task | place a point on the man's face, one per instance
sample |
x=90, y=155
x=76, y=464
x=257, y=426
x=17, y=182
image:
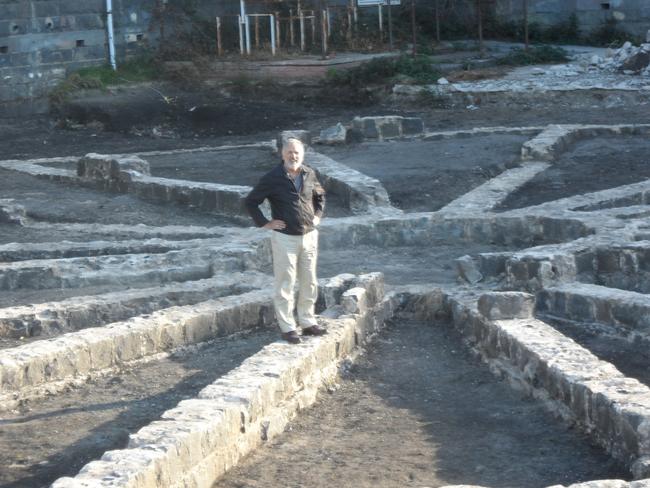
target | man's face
x=293, y=154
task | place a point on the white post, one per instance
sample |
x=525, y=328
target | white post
x=241, y=35
x=329, y=23
x=244, y=19
x=381, y=22
x=247, y=25
x=272, y=18
x=302, y=30
x=111, y=36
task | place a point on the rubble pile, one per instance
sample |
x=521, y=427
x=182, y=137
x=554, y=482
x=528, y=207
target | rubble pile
x=629, y=59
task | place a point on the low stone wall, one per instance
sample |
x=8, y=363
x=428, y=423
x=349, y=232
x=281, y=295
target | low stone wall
x=130, y=269
x=617, y=310
x=357, y=191
x=626, y=267
x=10, y=213
x=130, y=174
x=387, y=127
x=50, y=364
x=200, y=439
x=72, y=249
x=556, y=139
x=53, y=318
x=419, y=229
x=614, y=409
x=587, y=484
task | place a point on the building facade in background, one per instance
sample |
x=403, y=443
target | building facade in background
x=631, y=15
x=42, y=41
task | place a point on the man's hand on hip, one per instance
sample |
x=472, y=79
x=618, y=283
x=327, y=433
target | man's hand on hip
x=275, y=225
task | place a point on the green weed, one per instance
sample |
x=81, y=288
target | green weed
x=534, y=55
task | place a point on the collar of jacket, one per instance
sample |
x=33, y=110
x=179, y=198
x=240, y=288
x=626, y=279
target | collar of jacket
x=303, y=169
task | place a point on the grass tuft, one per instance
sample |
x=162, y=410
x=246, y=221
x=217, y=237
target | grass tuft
x=534, y=55
x=382, y=70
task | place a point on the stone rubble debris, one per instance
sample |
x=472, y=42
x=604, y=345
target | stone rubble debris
x=629, y=59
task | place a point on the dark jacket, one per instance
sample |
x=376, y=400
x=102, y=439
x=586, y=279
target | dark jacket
x=297, y=210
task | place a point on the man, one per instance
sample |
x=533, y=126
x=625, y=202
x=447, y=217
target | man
x=297, y=201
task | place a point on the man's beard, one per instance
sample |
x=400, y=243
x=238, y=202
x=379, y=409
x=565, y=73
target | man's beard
x=293, y=166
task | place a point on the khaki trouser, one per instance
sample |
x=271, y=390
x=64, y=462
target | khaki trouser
x=294, y=258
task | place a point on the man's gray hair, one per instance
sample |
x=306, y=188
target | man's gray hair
x=295, y=140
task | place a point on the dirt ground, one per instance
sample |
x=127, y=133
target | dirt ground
x=609, y=162
x=423, y=176
x=630, y=356
x=401, y=265
x=44, y=440
x=239, y=122
x=49, y=201
x=418, y=410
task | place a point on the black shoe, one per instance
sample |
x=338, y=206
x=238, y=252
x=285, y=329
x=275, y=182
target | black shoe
x=314, y=330
x=291, y=337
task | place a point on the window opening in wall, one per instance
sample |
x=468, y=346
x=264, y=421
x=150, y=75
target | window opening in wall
x=139, y=37
x=604, y=6
x=4, y=49
x=49, y=24
x=81, y=43
x=15, y=27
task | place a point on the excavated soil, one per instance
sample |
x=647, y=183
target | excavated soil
x=631, y=356
x=50, y=201
x=418, y=410
x=404, y=264
x=607, y=161
x=423, y=176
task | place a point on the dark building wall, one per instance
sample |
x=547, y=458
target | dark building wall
x=41, y=41
x=632, y=15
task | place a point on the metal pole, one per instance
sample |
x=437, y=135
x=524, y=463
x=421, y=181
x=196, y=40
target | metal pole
x=278, y=32
x=219, y=45
x=348, y=34
x=438, y=20
x=479, y=17
x=390, y=26
x=241, y=34
x=272, y=34
x=245, y=20
x=329, y=23
x=302, y=30
x=247, y=25
x=381, y=23
x=413, y=28
x=324, y=32
x=257, y=32
x=291, y=29
x=526, y=36
x=110, y=34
